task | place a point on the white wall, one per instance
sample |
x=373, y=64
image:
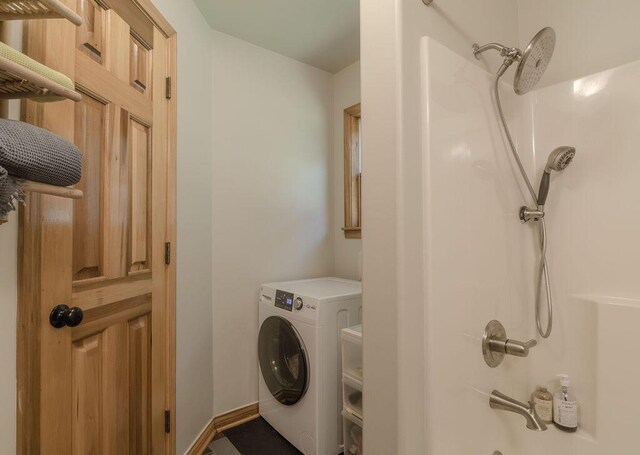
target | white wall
x=194, y=362
x=591, y=35
x=347, y=252
x=593, y=258
x=271, y=199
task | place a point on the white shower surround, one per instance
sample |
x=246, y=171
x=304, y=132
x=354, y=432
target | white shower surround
x=479, y=260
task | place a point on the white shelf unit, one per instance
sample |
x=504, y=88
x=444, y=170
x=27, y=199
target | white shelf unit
x=352, y=380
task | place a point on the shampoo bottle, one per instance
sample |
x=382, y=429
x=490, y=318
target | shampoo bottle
x=565, y=406
x=543, y=404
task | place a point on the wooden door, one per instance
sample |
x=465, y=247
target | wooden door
x=105, y=386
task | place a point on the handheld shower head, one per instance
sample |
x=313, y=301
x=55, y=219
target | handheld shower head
x=532, y=63
x=558, y=160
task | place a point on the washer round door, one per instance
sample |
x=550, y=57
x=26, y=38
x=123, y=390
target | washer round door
x=283, y=360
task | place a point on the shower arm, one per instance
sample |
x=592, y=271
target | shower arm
x=513, y=54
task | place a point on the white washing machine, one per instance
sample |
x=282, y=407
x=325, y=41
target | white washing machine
x=299, y=353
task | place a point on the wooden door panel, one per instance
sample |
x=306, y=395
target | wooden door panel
x=140, y=385
x=140, y=231
x=139, y=65
x=119, y=197
x=91, y=138
x=126, y=248
x=117, y=61
x=116, y=390
x=87, y=395
x=90, y=36
x=111, y=389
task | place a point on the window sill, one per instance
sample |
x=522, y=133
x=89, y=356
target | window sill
x=352, y=232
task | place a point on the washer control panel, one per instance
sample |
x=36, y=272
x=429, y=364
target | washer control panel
x=284, y=300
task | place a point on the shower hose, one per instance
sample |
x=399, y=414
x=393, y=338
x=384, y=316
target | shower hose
x=543, y=268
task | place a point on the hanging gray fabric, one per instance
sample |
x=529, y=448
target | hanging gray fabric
x=9, y=192
x=32, y=153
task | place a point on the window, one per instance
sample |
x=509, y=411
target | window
x=352, y=173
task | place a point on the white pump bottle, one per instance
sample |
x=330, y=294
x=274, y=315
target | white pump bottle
x=565, y=406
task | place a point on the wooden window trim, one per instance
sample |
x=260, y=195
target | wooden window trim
x=352, y=176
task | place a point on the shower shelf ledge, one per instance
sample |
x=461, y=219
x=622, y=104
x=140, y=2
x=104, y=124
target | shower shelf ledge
x=37, y=9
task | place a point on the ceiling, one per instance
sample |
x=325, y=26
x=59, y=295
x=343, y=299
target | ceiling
x=321, y=33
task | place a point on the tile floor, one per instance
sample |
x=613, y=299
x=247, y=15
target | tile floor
x=252, y=438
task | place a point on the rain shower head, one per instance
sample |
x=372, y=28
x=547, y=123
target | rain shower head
x=559, y=159
x=532, y=63
x=535, y=59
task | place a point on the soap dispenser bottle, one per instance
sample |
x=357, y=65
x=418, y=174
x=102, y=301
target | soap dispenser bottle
x=565, y=406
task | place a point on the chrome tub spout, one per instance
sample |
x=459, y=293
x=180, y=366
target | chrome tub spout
x=502, y=402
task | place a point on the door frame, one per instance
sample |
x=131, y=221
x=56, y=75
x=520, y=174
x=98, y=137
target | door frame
x=41, y=231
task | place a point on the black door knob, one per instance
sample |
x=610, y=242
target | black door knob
x=62, y=315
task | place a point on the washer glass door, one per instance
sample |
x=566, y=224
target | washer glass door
x=283, y=360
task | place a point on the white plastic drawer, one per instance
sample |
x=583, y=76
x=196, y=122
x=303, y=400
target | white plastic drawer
x=352, y=395
x=352, y=434
x=352, y=352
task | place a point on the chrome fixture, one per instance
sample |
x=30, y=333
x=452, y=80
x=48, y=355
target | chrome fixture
x=532, y=64
x=558, y=160
x=502, y=402
x=495, y=345
x=527, y=214
x=427, y=2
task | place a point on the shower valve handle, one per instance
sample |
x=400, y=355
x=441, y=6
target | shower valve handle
x=511, y=347
x=495, y=345
x=518, y=348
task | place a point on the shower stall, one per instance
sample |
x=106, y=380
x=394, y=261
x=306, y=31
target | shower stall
x=468, y=225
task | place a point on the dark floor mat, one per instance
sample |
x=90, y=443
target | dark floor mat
x=259, y=438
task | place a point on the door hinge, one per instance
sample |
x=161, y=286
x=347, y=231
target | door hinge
x=167, y=421
x=169, y=84
x=167, y=253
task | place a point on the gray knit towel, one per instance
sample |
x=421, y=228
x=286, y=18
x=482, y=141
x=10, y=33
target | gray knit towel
x=9, y=192
x=32, y=153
